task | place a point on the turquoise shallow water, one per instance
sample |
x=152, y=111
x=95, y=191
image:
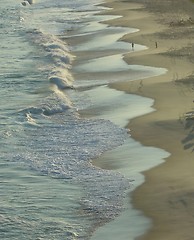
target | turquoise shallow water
x=49, y=189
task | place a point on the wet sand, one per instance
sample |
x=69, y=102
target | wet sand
x=167, y=194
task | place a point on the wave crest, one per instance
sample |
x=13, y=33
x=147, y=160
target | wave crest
x=57, y=57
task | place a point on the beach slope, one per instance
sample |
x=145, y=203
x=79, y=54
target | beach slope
x=167, y=29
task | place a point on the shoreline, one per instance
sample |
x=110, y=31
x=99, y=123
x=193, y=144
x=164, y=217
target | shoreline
x=112, y=106
x=166, y=196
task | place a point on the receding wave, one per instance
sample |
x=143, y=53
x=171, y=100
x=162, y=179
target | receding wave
x=63, y=149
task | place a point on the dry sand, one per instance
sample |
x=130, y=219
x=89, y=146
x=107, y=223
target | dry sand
x=167, y=196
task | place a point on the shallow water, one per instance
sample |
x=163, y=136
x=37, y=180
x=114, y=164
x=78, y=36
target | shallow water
x=130, y=159
x=49, y=189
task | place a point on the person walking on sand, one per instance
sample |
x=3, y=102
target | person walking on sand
x=156, y=44
x=132, y=45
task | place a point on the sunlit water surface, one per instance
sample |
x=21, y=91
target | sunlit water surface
x=49, y=188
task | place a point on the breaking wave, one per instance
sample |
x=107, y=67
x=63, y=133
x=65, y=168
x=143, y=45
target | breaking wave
x=57, y=57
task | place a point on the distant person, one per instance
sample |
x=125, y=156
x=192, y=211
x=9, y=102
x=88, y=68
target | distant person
x=132, y=45
x=156, y=44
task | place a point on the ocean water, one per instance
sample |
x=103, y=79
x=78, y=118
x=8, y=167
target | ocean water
x=49, y=188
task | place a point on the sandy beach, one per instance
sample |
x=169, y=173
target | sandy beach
x=167, y=29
